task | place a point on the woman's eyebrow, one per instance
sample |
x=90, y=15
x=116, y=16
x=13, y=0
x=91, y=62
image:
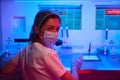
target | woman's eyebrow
x=52, y=26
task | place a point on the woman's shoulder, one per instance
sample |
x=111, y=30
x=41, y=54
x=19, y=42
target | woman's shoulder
x=40, y=49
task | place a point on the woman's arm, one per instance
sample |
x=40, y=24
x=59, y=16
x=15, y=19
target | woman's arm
x=9, y=68
x=67, y=76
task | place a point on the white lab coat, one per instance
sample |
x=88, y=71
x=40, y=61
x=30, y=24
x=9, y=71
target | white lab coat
x=38, y=62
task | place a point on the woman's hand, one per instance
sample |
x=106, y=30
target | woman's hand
x=77, y=62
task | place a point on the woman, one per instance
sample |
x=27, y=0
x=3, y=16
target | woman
x=38, y=61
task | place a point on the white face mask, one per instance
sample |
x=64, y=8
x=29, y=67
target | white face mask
x=49, y=38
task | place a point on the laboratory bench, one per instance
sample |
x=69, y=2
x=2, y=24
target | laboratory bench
x=94, y=67
x=107, y=68
x=93, y=61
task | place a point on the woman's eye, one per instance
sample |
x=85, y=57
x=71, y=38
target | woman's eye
x=50, y=29
x=54, y=29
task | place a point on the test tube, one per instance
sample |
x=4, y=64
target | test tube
x=106, y=36
x=113, y=50
x=105, y=47
x=62, y=33
x=67, y=34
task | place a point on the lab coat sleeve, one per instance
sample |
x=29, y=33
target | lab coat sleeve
x=54, y=64
x=15, y=59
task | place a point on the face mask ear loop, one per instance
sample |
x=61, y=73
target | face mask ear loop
x=36, y=29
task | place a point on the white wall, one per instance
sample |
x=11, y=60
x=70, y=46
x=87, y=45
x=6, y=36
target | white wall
x=77, y=37
x=10, y=9
x=0, y=29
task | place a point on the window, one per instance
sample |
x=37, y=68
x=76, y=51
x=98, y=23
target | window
x=69, y=14
x=107, y=16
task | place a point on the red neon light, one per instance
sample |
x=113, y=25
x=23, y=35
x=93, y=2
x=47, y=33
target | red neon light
x=84, y=71
x=113, y=12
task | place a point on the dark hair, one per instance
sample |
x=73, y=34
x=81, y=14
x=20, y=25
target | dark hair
x=40, y=19
x=51, y=16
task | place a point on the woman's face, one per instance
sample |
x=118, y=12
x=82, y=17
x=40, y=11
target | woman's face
x=52, y=25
